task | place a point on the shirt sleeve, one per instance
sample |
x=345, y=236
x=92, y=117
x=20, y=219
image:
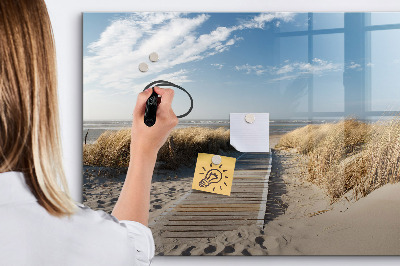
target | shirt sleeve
x=142, y=240
x=139, y=235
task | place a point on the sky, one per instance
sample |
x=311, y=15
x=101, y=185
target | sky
x=231, y=62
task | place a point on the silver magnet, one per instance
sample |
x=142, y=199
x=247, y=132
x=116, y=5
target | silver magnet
x=216, y=159
x=250, y=118
x=143, y=67
x=153, y=57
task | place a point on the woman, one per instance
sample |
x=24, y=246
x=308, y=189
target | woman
x=39, y=222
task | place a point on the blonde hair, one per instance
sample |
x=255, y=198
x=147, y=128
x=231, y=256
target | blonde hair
x=29, y=125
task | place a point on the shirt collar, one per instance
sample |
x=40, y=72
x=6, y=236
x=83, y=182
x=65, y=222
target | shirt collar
x=13, y=188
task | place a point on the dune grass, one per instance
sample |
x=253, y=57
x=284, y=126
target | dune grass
x=111, y=149
x=348, y=155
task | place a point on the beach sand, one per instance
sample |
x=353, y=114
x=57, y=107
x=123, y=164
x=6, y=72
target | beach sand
x=299, y=219
x=102, y=186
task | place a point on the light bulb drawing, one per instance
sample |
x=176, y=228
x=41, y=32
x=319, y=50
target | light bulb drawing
x=213, y=176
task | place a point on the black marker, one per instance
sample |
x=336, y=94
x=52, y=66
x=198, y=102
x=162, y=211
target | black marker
x=153, y=101
x=151, y=109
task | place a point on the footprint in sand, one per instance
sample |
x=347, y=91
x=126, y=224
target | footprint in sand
x=227, y=250
x=260, y=240
x=186, y=252
x=245, y=252
x=210, y=249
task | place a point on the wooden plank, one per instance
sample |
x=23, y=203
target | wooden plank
x=222, y=201
x=248, y=181
x=194, y=205
x=209, y=222
x=261, y=177
x=191, y=235
x=248, y=196
x=250, y=168
x=210, y=218
x=241, y=189
x=249, y=185
x=237, y=194
x=233, y=199
x=254, y=189
x=255, y=169
x=254, y=214
x=252, y=172
x=195, y=228
x=219, y=209
x=219, y=196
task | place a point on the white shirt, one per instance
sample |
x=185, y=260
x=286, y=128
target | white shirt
x=29, y=235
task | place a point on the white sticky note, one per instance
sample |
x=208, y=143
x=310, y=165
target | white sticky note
x=249, y=135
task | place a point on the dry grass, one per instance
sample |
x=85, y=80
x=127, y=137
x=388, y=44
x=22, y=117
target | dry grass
x=349, y=155
x=111, y=149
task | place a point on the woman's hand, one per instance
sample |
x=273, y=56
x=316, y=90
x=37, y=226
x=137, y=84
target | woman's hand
x=150, y=139
x=134, y=201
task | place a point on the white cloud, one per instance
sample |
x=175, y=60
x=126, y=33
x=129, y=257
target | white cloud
x=249, y=69
x=288, y=77
x=260, y=20
x=219, y=66
x=285, y=69
x=354, y=66
x=292, y=70
x=318, y=66
x=112, y=61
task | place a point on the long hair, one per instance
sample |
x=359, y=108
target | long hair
x=29, y=122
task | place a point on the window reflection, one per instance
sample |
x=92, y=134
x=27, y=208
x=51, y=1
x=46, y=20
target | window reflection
x=381, y=18
x=351, y=63
x=291, y=74
x=328, y=74
x=299, y=24
x=385, y=69
x=328, y=20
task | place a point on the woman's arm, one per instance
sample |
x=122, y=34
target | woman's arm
x=134, y=201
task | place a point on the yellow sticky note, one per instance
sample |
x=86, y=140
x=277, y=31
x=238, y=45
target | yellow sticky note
x=214, y=178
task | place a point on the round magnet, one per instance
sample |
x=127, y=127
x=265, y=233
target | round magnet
x=143, y=67
x=153, y=57
x=216, y=159
x=250, y=118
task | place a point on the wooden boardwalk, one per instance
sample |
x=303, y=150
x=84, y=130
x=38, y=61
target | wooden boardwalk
x=205, y=215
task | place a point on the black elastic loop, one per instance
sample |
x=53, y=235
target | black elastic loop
x=170, y=84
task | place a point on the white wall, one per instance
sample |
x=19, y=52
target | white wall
x=66, y=17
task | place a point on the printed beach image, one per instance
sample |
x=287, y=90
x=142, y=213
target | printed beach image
x=329, y=184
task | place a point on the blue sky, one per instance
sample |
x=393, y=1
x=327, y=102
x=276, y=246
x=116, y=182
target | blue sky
x=229, y=62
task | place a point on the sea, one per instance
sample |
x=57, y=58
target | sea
x=93, y=129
